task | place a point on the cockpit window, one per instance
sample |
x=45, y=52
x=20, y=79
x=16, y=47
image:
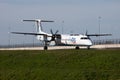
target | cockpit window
x=84, y=38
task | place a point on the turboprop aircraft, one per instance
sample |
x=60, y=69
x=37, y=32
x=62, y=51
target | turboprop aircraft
x=60, y=39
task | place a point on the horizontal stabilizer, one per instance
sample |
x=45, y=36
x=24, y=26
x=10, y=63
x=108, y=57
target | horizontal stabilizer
x=39, y=20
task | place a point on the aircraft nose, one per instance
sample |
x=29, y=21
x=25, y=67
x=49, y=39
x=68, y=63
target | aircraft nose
x=89, y=43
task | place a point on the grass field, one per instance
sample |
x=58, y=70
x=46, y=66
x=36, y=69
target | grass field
x=60, y=65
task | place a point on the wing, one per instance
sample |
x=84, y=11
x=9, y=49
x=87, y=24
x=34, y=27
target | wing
x=99, y=34
x=30, y=33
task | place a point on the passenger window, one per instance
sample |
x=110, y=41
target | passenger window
x=84, y=38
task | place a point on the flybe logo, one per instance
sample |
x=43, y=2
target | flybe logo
x=73, y=40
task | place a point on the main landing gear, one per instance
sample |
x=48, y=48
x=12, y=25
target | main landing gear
x=45, y=47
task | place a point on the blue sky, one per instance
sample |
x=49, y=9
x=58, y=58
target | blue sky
x=78, y=16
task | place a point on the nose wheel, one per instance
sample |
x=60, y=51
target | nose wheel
x=88, y=47
x=77, y=47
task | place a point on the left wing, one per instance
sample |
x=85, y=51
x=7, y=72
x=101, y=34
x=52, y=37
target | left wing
x=99, y=34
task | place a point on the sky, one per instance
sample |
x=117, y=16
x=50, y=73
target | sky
x=70, y=16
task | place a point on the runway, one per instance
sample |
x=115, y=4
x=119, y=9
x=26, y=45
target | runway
x=106, y=46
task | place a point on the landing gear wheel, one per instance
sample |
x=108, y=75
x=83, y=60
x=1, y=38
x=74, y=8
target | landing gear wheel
x=88, y=47
x=77, y=47
x=45, y=48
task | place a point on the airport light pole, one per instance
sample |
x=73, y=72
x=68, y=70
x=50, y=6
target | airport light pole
x=9, y=36
x=62, y=26
x=33, y=36
x=99, y=24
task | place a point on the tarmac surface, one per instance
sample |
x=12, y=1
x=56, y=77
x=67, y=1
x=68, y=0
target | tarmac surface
x=106, y=46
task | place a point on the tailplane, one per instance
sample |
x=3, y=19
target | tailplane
x=39, y=25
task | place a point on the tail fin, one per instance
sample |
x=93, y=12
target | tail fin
x=38, y=22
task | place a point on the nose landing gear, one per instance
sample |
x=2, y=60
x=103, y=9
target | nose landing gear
x=77, y=47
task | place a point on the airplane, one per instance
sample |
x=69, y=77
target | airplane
x=60, y=39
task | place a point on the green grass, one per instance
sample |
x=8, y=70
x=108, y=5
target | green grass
x=60, y=65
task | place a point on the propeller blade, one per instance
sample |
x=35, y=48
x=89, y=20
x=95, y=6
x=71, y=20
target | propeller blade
x=56, y=32
x=86, y=32
x=51, y=31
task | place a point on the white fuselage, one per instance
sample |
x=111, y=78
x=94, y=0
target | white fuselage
x=70, y=39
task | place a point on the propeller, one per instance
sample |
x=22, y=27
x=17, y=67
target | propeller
x=54, y=35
